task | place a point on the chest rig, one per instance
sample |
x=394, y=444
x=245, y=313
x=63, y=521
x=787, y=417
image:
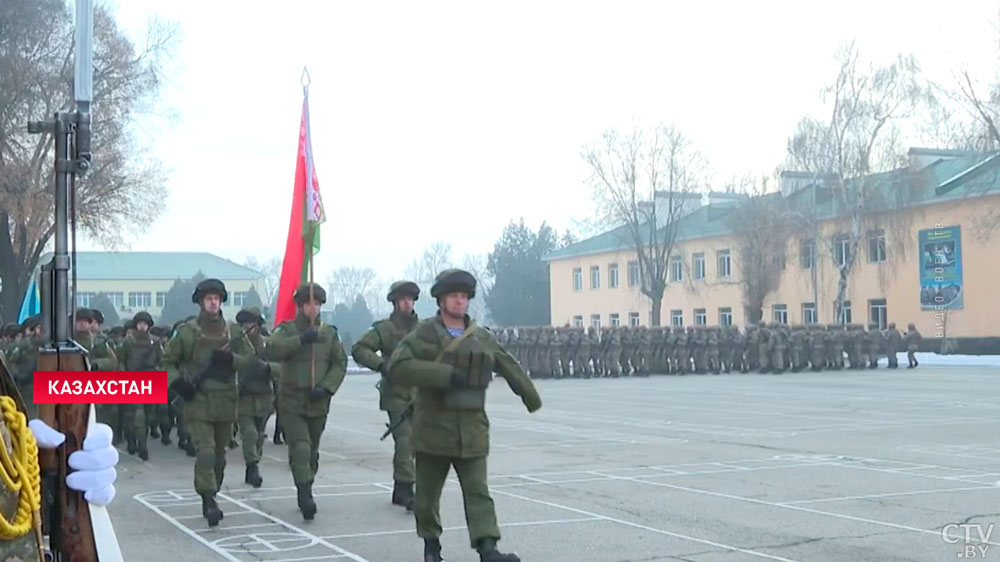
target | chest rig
x=455, y=352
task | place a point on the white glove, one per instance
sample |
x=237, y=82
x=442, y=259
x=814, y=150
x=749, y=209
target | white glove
x=93, y=467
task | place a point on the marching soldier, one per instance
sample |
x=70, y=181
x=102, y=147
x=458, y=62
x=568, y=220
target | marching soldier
x=201, y=360
x=451, y=361
x=764, y=348
x=817, y=347
x=543, y=337
x=894, y=344
x=88, y=334
x=712, y=349
x=752, y=348
x=313, y=365
x=737, y=343
x=256, y=390
x=24, y=360
x=572, y=353
x=682, y=353
x=557, y=348
x=594, y=343
x=854, y=343
x=913, y=341
x=373, y=350
x=139, y=352
x=837, y=338
x=779, y=346
x=874, y=345
x=797, y=345
x=615, y=351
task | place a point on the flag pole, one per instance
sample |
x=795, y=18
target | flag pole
x=305, y=79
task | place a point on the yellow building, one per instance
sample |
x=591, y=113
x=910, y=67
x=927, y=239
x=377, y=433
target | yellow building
x=931, y=260
x=137, y=281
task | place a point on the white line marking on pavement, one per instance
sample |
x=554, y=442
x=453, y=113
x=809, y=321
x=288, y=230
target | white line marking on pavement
x=200, y=516
x=235, y=527
x=889, y=495
x=185, y=530
x=326, y=557
x=792, y=507
x=644, y=527
x=288, y=525
x=461, y=527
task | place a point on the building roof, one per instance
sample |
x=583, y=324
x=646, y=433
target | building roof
x=957, y=175
x=156, y=265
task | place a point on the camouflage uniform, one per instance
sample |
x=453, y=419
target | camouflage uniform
x=712, y=349
x=875, y=345
x=913, y=341
x=893, y=345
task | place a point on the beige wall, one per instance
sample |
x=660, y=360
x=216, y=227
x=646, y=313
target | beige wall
x=152, y=286
x=896, y=281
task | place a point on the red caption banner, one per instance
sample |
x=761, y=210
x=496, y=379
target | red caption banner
x=100, y=387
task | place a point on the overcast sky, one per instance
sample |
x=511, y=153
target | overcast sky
x=421, y=108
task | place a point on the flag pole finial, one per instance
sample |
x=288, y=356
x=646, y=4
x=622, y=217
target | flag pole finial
x=305, y=79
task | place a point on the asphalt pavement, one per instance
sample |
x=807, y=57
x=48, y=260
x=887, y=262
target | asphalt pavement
x=835, y=466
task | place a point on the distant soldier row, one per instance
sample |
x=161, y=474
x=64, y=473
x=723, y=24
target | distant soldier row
x=548, y=352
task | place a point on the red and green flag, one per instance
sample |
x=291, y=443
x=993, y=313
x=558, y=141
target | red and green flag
x=303, y=228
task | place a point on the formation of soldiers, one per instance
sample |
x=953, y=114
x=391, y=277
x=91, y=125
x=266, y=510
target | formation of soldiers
x=575, y=352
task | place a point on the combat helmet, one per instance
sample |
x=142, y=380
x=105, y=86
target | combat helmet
x=209, y=287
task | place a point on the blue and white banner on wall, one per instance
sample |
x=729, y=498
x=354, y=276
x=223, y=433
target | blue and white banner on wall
x=941, y=285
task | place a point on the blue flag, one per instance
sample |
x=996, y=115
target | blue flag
x=32, y=303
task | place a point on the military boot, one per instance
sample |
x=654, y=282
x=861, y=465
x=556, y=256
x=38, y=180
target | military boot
x=165, y=435
x=154, y=432
x=210, y=509
x=402, y=493
x=133, y=446
x=143, y=450
x=488, y=552
x=306, y=503
x=432, y=550
x=253, y=476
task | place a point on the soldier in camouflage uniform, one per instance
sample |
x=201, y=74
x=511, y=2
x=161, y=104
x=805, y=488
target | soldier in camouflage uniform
x=797, y=347
x=913, y=339
x=875, y=344
x=256, y=389
x=313, y=366
x=24, y=360
x=201, y=360
x=712, y=359
x=556, y=349
x=615, y=351
x=571, y=350
x=817, y=347
x=682, y=355
x=139, y=352
x=893, y=345
x=450, y=362
x=752, y=348
x=737, y=343
x=854, y=352
x=837, y=339
x=102, y=358
x=542, y=351
x=764, y=348
x=373, y=351
x=594, y=341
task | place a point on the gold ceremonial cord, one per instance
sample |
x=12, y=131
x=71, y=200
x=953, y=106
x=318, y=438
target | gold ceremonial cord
x=20, y=473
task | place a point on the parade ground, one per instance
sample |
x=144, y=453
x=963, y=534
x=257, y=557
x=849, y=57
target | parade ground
x=834, y=466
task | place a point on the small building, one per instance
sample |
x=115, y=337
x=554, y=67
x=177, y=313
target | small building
x=137, y=281
x=927, y=256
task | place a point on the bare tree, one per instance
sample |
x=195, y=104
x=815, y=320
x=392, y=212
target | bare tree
x=270, y=270
x=125, y=188
x=476, y=264
x=347, y=282
x=761, y=226
x=435, y=258
x=642, y=182
x=861, y=140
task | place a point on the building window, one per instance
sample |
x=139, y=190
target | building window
x=878, y=313
x=83, y=299
x=633, y=274
x=807, y=254
x=578, y=321
x=841, y=250
x=676, y=317
x=700, y=318
x=808, y=313
x=161, y=299
x=676, y=269
x=595, y=277
x=725, y=317
x=779, y=313
x=595, y=321
x=239, y=297
x=725, y=264
x=615, y=320
x=876, y=246
x=577, y=279
x=698, y=265
x=140, y=300
x=117, y=299
x=844, y=314
x=633, y=319
x=613, y=276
